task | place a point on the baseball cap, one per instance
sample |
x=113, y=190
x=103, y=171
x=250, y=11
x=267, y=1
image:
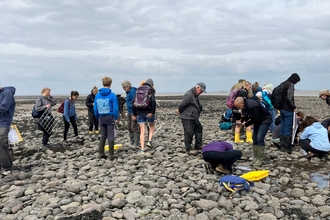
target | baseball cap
x=202, y=85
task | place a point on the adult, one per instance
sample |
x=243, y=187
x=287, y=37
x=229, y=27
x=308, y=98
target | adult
x=324, y=94
x=287, y=111
x=93, y=122
x=146, y=115
x=245, y=92
x=255, y=89
x=132, y=126
x=70, y=115
x=326, y=124
x=45, y=103
x=256, y=115
x=106, y=110
x=220, y=156
x=314, y=138
x=189, y=111
x=7, y=109
x=121, y=102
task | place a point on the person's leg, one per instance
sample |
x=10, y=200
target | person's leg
x=110, y=123
x=273, y=115
x=188, y=133
x=91, y=122
x=142, y=134
x=103, y=129
x=96, y=123
x=45, y=137
x=248, y=131
x=130, y=129
x=229, y=158
x=5, y=159
x=74, y=125
x=152, y=125
x=198, y=131
x=66, y=128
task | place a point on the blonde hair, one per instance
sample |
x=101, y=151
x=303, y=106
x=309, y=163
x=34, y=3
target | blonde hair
x=95, y=89
x=106, y=81
x=44, y=90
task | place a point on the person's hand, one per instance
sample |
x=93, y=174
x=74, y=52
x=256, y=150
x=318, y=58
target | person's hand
x=177, y=111
x=133, y=118
x=48, y=105
x=149, y=115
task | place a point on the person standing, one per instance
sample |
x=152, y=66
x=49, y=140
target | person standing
x=189, y=111
x=43, y=103
x=7, y=109
x=121, y=102
x=256, y=115
x=287, y=111
x=145, y=113
x=132, y=126
x=70, y=115
x=93, y=122
x=106, y=110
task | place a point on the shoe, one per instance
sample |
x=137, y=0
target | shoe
x=309, y=155
x=96, y=132
x=6, y=173
x=90, y=132
x=192, y=152
x=78, y=138
x=199, y=147
x=220, y=169
x=208, y=168
x=149, y=144
x=142, y=152
x=47, y=146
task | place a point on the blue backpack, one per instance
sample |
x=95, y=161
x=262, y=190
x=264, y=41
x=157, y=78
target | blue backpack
x=235, y=183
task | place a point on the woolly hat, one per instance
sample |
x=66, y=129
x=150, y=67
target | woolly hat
x=150, y=82
x=268, y=88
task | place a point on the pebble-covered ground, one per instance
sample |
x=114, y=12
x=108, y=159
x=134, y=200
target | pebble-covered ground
x=70, y=182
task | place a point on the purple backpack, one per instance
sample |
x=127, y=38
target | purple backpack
x=142, y=97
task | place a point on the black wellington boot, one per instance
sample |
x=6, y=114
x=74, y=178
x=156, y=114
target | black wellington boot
x=111, y=150
x=101, y=149
x=287, y=146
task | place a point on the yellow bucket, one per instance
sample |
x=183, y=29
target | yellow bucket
x=255, y=175
x=117, y=146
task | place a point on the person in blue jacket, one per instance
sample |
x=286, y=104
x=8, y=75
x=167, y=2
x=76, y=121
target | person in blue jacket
x=132, y=125
x=314, y=138
x=7, y=109
x=107, y=112
x=69, y=115
x=220, y=156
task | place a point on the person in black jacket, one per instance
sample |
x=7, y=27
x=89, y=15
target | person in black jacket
x=255, y=114
x=189, y=110
x=93, y=122
x=287, y=111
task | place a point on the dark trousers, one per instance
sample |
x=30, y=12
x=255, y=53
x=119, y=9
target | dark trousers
x=107, y=125
x=259, y=133
x=45, y=137
x=305, y=144
x=191, y=128
x=226, y=159
x=93, y=121
x=132, y=125
x=5, y=159
x=67, y=126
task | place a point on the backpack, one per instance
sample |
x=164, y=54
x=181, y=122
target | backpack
x=235, y=183
x=35, y=113
x=142, y=97
x=61, y=107
x=277, y=97
x=232, y=96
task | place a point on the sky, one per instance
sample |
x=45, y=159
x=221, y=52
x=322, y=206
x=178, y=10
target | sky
x=72, y=44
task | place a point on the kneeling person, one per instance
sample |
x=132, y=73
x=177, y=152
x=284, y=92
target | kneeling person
x=220, y=155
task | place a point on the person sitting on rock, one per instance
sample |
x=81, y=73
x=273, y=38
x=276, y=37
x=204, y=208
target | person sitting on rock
x=220, y=156
x=314, y=138
x=324, y=94
x=256, y=115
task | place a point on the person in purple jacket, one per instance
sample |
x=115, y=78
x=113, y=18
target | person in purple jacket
x=220, y=156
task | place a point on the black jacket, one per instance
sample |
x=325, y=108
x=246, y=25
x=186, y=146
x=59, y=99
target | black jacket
x=255, y=113
x=151, y=109
x=90, y=102
x=289, y=104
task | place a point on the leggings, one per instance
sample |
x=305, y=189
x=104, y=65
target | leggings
x=67, y=125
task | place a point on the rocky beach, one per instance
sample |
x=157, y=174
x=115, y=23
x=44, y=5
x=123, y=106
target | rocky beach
x=70, y=182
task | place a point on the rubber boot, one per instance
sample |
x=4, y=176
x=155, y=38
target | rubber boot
x=101, y=149
x=281, y=142
x=249, y=137
x=238, y=139
x=136, y=138
x=260, y=156
x=255, y=154
x=111, y=150
x=287, y=147
x=131, y=137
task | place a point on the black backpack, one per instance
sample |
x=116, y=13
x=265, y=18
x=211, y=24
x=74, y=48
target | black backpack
x=277, y=97
x=142, y=97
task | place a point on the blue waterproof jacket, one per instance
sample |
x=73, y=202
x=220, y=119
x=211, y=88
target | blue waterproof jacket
x=69, y=109
x=7, y=106
x=106, y=104
x=129, y=100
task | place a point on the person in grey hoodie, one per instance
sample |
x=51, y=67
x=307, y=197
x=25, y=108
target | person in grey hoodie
x=7, y=109
x=189, y=110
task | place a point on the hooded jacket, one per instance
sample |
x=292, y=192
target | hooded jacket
x=255, y=113
x=318, y=136
x=129, y=100
x=190, y=108
x=90, y=101
x=289, y=104
x=42, y=101
x=7, y=106
x=106, y=104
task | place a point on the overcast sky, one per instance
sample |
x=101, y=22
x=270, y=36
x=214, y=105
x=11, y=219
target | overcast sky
x=70, y=45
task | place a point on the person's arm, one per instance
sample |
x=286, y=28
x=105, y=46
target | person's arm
x=253, y=116
x=153, y=103
x=52, y=101
x=66, y=110
x=290, y=96
x=6, y=102
x=184, y=103
x=115, y=108
x=89, y=102
x=305, y=133
x=95, y=110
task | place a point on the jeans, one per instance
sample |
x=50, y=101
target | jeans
x=286, y=123
x=5, y=159
x=273, y=114
x=259, y=133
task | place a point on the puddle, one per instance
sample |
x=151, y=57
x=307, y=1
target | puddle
x=321, y=179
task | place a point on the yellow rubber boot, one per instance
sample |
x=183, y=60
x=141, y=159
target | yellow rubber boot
x=249, y=137
x=237, y=138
